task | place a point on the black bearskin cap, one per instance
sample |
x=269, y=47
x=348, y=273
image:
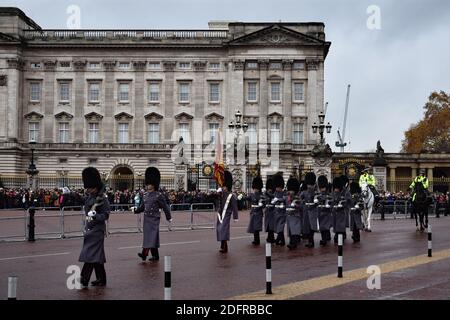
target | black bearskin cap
x=355, y=188
x=91, y=178
x=257, y=183
x=269, y=184
x=153, y=177
x=293, y=185
x=278, y=181
x=228, y=180
x=322, y=182
x=344, y=180
x=310, y=179
x=337, y=183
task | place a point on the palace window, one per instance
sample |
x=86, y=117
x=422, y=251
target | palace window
x=183, y=92
x=124, y=92
x=184, y=132
x=184, y=65
x=214, y=65
x=94, y=65
x=35, y=65
x=64, y=92
x=298, y=65
x=275, y=91
x=298, y=91
x=93, y=133
x=153, y=92
x=252, y=65
x=124, y=65
x=94, y=92
x=252, y=91
x=275, y=65
x=123, y=133
x=274, y=133
x=213, y=127
x=153, y=133
x=252, y=134
x=214, y=92
x=63, y=132
x=154, y=65
x=33, y=131
x=35, y=91
x=298, y=133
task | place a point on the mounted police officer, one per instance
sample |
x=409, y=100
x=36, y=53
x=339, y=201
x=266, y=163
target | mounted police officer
x=357, y=205
x=256, y=212
x=422, y=179
x=310, y=211
x=227, y=208
x=341, y=205
x=97, y=210
x=269, y=216
x=153, y=202
x=279, y=201
x=325, y=204
x=368, y=178
x=293, y=210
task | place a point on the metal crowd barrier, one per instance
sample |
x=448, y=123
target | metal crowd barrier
x=113, y=225
x=19, y=223
x=401, y=209
x=205, y=216
x=73, y=228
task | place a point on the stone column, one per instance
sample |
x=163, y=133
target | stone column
x=237, y=89
x=80, y=97
x=169, y=103
x=10, y=115
x=181, y=177
x=263, y=98
x=49, y=101
x=380, y=177
x=287, y=101
x=311, y=101
x=430, y=178
x=139, y=67
x=392, y=179
x=109, y=106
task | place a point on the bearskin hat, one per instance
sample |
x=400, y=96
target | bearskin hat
x=278, y=181
x=293, y=185
x=355, y=188
x=269, y=184
x=337, y=183
x=153, y=177
x=91, y=178
x=344, y=180
x=322, y=182
x=257, y=183
x=228, y=180
x=310, y=178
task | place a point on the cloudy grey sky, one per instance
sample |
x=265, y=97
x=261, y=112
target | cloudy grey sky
x=392, y=70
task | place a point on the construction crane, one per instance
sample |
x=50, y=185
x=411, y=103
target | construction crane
x=341, y=142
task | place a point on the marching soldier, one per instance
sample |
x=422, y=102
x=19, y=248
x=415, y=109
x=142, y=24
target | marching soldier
x=293, y=210
x=341, y=204
x=97, y=212
x=269, y=219
x=325, y=204
x=279, y=201
x=256, y=213
x=153, y=202
x=310, y=210
x=346, y=186
x=227, y=208
x=357, y=205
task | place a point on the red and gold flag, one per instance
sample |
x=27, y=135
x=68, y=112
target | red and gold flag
x=219, y=166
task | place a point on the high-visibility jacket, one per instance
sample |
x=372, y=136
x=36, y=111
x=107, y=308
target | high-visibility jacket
x=419, y=179
x=369, y=179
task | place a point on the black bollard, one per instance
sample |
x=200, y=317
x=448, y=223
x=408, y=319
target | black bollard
x=429, y=241
x=12, y=288
x=167, y=278
x=31, y=225
x=268, y=268
x=340, y=254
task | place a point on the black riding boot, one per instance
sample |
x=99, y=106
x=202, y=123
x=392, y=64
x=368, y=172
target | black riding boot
x=256, y=240
x=223, y=246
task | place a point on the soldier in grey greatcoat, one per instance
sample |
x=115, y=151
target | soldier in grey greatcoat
x=325, y=205
x=346, y=187
x=356, y=223
x=279, y=201
x=342, y=201
x=269, y=218
x=294, y=213
x=309, y=202
x=97, y=212
x=256, y=212
x=153, y=202
x=227, y=207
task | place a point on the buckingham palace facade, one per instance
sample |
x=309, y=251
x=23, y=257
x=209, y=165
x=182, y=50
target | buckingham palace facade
x=120, y=100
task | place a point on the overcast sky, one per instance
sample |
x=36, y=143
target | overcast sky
x=392, y=70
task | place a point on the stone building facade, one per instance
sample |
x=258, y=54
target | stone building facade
x=120, y=99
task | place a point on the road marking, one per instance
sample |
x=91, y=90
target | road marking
x=36, y=256
x=295, y=289
x=409, y=291
x=162, y=244
x=243, y=237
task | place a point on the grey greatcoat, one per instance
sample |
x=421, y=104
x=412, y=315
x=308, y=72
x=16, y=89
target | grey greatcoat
x=93, y=250
x=310, y=211
x=294, y=216
x=256, y=213
x=269, y=216
x=342, y=202
x=347, y=210
x=280, y=210
x=153, y=202
x=325, y=207
x=355, y=212
x=223, y=228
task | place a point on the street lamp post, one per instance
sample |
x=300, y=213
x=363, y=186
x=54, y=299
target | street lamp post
x=32, y=171
x=238, y=128
x=321, y=127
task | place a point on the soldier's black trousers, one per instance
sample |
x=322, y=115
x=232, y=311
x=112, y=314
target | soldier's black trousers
x=153, y=251
x=86, y=273
x=326, y=235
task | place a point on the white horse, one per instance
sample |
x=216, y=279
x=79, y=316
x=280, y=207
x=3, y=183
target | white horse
x=369, y=200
